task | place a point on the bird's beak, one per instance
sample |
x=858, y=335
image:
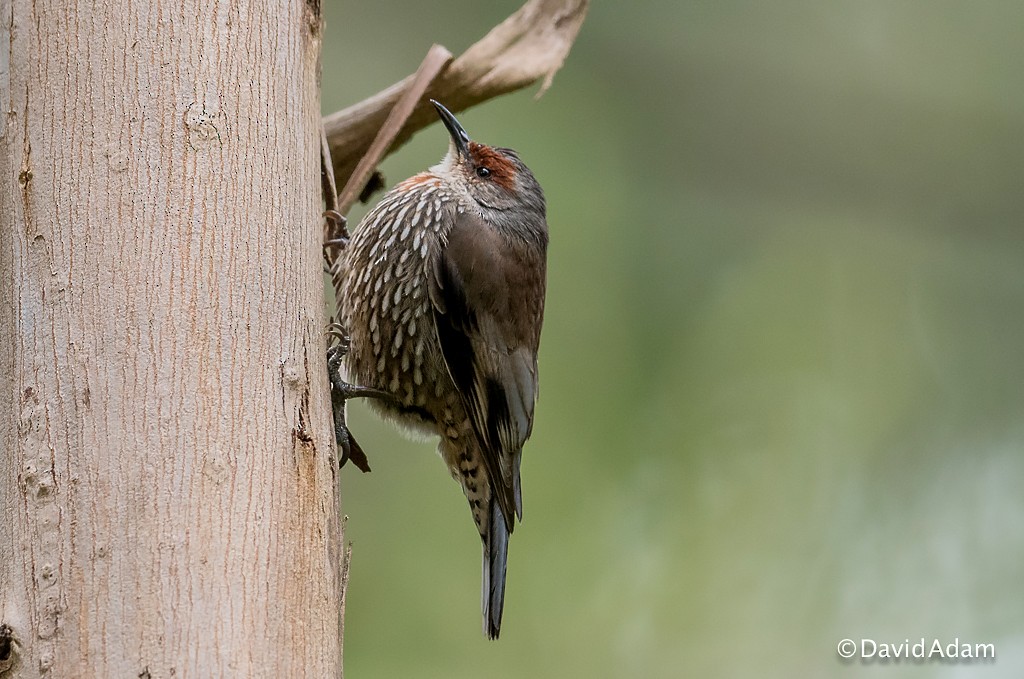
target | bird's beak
x=459, y=136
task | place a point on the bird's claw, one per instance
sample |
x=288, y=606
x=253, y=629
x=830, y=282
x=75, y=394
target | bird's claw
x=338, y=346
x=336, y=237
x=335, y=217
x=342, y=391
x=337, y=230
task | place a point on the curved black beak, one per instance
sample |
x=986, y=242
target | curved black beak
x=459, y=136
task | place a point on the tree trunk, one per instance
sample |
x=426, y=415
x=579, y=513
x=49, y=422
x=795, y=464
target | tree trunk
x=168, y=502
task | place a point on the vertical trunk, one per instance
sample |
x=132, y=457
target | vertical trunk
x=168, y=502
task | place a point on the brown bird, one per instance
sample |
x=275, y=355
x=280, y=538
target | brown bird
x=441, y=291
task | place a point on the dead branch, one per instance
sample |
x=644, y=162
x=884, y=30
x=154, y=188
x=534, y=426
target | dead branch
x=335, y=223
x=529, y=45
x=437, y=58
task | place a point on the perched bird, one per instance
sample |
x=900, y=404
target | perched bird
x=441, y=292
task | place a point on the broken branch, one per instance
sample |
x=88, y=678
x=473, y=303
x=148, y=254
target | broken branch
x=529, y=45
x=437, y=58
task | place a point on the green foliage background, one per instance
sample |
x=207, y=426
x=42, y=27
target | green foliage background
x=783, y=361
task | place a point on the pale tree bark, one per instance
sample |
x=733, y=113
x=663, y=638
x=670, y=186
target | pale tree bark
x=168, y=495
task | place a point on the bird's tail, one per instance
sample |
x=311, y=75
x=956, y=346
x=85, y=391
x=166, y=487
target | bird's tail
x=495, y=558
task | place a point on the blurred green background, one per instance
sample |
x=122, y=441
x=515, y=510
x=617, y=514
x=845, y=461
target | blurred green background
x=782, y=370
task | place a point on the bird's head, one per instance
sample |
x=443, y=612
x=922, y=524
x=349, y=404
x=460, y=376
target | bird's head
x=495, y=178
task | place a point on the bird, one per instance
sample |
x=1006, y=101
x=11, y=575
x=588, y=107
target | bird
x=441, y=294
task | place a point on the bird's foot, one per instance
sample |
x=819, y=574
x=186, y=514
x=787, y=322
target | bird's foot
x=335, y=238
x=341, y=392
x=336, y=234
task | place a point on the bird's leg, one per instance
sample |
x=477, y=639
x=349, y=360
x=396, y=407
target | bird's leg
x=341, y=392
x=336, y=236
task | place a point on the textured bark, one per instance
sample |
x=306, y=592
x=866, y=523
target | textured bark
x=168, y=502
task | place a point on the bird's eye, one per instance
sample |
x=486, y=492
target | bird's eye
x=483, y=172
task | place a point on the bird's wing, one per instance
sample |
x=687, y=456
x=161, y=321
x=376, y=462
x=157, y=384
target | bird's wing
x=487, y=292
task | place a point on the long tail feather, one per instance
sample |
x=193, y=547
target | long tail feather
x=495, y=558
